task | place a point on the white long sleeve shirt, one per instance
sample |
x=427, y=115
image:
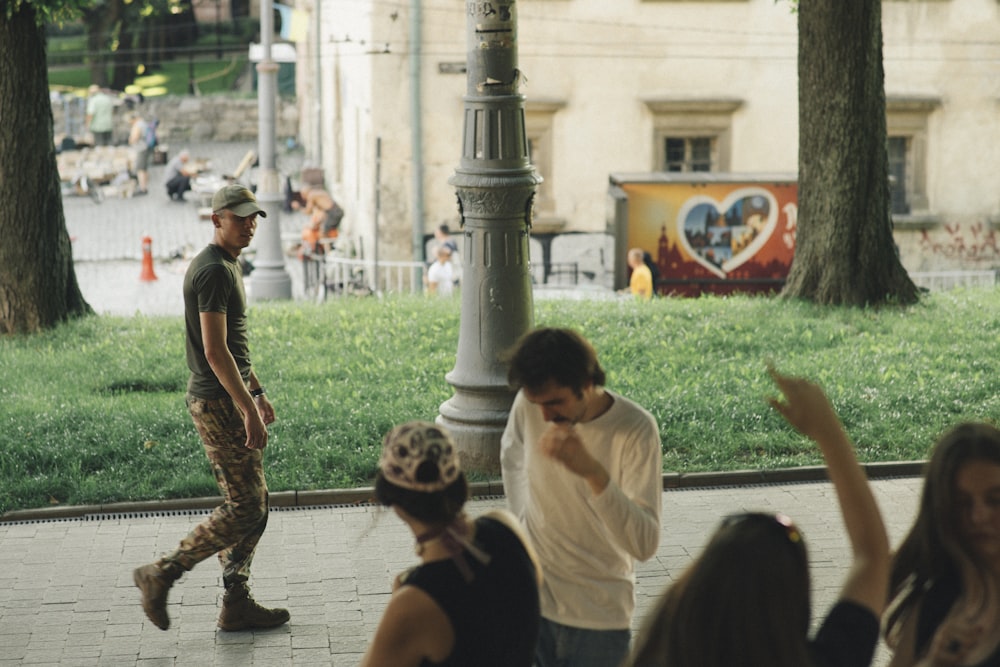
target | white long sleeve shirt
x=587, y=544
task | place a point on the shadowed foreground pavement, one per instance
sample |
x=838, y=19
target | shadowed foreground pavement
x=66, y=593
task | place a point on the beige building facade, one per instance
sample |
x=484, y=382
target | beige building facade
x=642, y=86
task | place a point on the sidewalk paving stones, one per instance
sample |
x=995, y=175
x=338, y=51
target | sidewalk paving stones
x=107, y=240
x=66, y=593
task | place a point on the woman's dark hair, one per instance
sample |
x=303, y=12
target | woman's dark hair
x=932, y=550
x=559, y=355
x=439, y=507
x=743, y=603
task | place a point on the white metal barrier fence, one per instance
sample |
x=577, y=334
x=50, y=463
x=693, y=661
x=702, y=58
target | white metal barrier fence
x=326, y=274
x=341, y=275
x=939, y=281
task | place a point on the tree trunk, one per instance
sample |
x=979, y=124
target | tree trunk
x=38, y=287
x=124, y=59
x=96, y=49
x=844, y=252
x=100, y=24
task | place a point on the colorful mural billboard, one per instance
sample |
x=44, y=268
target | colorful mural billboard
x=714, y=234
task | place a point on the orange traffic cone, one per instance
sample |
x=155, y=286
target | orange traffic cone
x=147, y=260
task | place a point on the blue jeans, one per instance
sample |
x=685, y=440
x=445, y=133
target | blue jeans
x=563, y=646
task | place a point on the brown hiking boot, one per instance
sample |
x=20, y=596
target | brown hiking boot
x=154, y=582
x=241, y=612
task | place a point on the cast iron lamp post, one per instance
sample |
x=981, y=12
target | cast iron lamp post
x=495, y=184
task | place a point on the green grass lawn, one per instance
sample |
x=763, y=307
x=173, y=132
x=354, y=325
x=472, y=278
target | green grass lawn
x=93, y=411
x=214, y=62
x=211, y=75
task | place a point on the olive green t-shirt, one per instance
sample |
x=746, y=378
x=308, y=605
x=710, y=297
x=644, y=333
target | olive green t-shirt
x=213, y=283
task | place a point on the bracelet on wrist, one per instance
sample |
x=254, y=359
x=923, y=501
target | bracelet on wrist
x=259, y=391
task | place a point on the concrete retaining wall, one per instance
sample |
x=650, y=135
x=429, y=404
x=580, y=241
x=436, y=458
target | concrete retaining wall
x=186, y=119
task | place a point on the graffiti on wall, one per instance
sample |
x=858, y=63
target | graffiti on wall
x=975, y=243
x=736, y=232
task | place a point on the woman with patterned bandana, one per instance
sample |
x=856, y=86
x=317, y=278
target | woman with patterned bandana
x=473, y=598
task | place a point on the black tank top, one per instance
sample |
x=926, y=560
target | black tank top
x=496, y=616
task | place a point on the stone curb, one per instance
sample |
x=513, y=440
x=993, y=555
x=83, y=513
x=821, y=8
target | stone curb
x=365, y=495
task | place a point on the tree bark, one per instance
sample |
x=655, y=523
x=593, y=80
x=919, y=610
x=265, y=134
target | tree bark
x=100, y=22
x=124, y=60
x=38, y=287
x=845, y=253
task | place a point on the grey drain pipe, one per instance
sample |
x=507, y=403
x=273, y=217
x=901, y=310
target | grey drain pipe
x=416, y=129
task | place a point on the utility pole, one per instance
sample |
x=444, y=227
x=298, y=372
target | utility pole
x=495, y=184
x=269, y=279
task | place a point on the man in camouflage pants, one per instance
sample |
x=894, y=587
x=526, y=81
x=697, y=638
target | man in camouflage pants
x=231, y=413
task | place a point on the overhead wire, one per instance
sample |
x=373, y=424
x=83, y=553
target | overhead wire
x=686, y=42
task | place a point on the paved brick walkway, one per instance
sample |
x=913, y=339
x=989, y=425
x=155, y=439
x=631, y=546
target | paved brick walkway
x=66, y=593
x=107, y=239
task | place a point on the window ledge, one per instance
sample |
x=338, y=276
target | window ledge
x=925, y=220
x=547, y=224
x=694, y=105
x=548, y=105
x=911, y=104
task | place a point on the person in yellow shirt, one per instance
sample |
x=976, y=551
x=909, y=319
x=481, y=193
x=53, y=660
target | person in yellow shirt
x=641, y=283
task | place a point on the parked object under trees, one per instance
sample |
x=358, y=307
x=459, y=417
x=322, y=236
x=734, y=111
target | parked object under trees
x=845, y=253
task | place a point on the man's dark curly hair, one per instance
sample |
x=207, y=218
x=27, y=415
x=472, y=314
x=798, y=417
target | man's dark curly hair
x=559, y=355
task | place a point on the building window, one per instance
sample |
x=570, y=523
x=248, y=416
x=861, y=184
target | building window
x=692, y=135
x=688, y=153
x=898, y=149
x=539, y=119
x=906, y=129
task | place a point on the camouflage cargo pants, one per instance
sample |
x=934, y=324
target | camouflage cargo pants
x=233, y=529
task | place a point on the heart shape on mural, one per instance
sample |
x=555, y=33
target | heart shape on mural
x=721, y=237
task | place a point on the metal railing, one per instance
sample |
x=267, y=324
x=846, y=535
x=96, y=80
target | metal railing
x=342, y=275
x=561, y=273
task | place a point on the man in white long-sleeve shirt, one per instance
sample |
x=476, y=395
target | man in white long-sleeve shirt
x=582, y=470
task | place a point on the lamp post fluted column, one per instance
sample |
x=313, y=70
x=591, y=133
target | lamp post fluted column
x=270, y=279
x=495, y=184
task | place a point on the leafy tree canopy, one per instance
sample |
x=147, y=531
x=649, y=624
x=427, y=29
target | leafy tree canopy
x=49, y=11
